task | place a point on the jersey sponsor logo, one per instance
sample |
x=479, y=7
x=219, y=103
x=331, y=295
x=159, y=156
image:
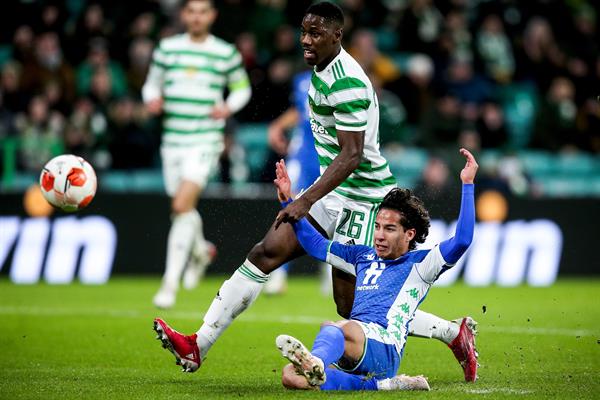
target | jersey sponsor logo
x=316, y=128
x=57, y=250
x=371, y=276
x=507, y=254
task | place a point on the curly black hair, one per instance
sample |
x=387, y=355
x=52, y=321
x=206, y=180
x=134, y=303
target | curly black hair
x=413, y=213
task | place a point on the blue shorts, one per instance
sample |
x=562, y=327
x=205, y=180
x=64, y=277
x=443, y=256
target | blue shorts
x=379, y=359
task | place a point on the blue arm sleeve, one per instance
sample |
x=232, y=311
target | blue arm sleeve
x=310, y=239
x=453, y=248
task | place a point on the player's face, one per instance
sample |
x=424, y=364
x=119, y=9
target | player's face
x=320, y=40
x=391, y=238
x=198, y=16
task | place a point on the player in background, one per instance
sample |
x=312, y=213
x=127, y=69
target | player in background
x=185, y=83
x=341, y=204
x=302, y=164
x=392, y=280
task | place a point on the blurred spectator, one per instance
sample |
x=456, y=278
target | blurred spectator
x=55, y=97
x=441, y=123
x=555, y=123
x=91, y=24
x=420, y=27
x=131, y=144
x=468, y=87
x=589, y=125
x=7, y=121
x=540, y=59
x=491, y=127
x=458, y=31
x=98, y=59
x=286, y=46
x=364, y=49
x=39, y=133
x=22, y=50
x=49, y=65
x=495, y=50
x=434, y=185
x=140, y=55
x=15, y=100
x=415, y=87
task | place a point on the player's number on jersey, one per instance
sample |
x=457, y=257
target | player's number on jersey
x=373, y=273
x=354, y=220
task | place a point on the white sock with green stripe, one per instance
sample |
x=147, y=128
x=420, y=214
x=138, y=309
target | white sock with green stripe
x=431, y=326
x=235, y=295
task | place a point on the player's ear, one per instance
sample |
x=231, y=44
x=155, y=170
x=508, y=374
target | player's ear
x=410, y=234
x=337, y=34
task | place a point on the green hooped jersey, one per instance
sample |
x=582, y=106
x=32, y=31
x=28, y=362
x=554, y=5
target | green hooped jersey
x=191, y=78
x=341, y=97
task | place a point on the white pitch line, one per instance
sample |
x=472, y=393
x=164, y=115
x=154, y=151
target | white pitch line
x=249, y=317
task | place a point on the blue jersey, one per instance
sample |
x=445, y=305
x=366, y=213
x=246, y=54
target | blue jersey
x=388, y=292
x=302, y=160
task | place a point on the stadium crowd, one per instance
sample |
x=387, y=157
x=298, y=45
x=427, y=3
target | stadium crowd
x=448, y=73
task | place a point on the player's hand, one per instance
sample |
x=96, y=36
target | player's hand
x=294, y=211
x=155, y=106
x=282, y=182
x=220, y=111
x=277, y=139
x=467, y=175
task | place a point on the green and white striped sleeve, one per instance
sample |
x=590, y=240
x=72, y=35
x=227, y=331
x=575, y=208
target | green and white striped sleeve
x=152, y=88
x=350, y=100
x=238, y=83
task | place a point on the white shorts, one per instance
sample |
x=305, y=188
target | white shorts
x=345, y=220
x=193, y=162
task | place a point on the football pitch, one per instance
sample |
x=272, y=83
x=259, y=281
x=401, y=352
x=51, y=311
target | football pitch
x=97, y=342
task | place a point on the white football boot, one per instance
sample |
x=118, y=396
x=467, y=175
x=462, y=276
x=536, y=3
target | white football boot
x=305, y=363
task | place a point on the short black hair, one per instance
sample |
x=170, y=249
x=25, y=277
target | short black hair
x=184, y=3
x=413, y=213
x=329, y=11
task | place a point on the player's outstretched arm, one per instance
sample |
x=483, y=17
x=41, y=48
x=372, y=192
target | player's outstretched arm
x=453, y=248
x=351, y=144
x=310, y=239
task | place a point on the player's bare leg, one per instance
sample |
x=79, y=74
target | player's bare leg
x=185, y=230
x=243, y=287
x=343, y=291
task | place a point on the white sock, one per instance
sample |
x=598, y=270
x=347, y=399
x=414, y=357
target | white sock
x=235, y=295
x=199, y=244
x=430, y=326
x=181, y=236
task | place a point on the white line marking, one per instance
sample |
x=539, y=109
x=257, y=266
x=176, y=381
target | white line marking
x=499, y=390
x=249, y=317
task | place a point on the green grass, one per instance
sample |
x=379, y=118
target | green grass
x=96, y=342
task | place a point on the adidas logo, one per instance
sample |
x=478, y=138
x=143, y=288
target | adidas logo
x=350, y=242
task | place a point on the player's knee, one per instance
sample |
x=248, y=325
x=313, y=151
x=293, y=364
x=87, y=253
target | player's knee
x=343, y=309
x=180, y=206
x=263, y=258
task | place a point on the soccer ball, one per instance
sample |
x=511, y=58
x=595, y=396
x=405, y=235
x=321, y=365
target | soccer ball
x=68, y=182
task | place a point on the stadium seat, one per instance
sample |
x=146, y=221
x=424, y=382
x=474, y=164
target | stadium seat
x=406, y=164
x=253, y=138
x=538, y=163
x=519, y=102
